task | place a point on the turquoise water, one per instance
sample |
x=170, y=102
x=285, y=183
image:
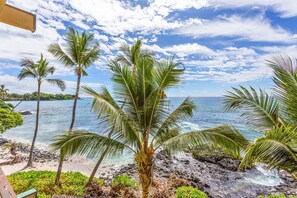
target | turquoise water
x=55, y=117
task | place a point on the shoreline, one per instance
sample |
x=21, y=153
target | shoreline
x=46, y=160
x=218, y=177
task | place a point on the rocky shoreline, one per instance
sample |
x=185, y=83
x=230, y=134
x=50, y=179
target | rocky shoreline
x=217, y=176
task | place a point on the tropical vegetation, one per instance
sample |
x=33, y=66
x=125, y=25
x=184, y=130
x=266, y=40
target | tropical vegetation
x=8, y=118
x=72, y=183
x=34, y=96
x=274, y=114
x=39, y=71
x=189, y=191
x=3, y=92
x=80, y=53
x=138, y=117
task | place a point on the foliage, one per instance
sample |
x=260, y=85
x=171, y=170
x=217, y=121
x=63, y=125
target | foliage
x=274, y=115
x=8, y=118
x=277, y=196
x=72, y=183
x=33, y=96
x=189, y=192
x=138, y=115
x=123, y=180
x=3, y=92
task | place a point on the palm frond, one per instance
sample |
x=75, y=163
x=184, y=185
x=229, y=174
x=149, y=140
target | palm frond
x=259, y=110
x=277, y=149
x=105, y=107
x=57, y=82
x=85, y=144
x=285, y=79
x=225, y=137
x=182, y=112
x=57, y=51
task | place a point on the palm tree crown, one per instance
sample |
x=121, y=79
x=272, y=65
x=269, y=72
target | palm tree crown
x=40, y=71
x=138, y=117
x=275, y=115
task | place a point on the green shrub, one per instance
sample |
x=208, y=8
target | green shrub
x=277, y=196
x=123, y=180
x=72, y=183
x=189, y=192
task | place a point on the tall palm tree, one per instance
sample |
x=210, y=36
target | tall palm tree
x=80, y=53
x=274, y=115
x=3, y=91
x=39, y=71
x=137, y=118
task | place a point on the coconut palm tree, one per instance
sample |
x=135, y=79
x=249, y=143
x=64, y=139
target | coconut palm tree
x=137, y=117
x=39, y=71
x=80, y=53
x=274, y=115
x=3, y=91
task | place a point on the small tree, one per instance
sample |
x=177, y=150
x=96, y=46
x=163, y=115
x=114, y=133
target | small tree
x=144, y=124
x=40, y=72
x=80, y=53
x=3, y=92
x=274, y=115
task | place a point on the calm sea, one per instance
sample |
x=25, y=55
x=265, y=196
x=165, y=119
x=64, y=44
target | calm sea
x=55, y=117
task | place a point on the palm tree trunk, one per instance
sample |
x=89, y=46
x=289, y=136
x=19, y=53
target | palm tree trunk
x=75, y=101
x=96, y=167
x=144, y=161
x=30, y=161
x=59, y=171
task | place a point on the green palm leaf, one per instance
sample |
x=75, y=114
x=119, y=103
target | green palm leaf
x=226, y=137
x=285, y=79
x=277, y=149
x=259, y=110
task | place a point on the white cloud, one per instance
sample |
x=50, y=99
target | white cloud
x=251, y=29
x=287, y=8
x=188, y=49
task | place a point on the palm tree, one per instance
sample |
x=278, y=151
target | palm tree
x=137, y=118
x=39, y=71
x=274, y=115
x=81, y=52
x=3, y=91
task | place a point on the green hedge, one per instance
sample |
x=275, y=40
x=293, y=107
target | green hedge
x=189, y=192
x=72, y=183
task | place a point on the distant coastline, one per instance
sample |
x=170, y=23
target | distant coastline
x=33, y=97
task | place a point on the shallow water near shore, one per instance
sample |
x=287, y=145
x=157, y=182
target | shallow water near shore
x=55, y=117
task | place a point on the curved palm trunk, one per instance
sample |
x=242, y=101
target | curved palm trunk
x=144, y=161
x=96, y=167
x=30, y=161
x=59, y=171
x=75, y=101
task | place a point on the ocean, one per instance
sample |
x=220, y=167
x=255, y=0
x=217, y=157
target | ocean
x=55, y=118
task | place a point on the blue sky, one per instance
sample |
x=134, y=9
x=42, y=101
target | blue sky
x=221, y=43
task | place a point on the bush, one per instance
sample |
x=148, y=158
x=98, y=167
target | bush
x=72, y=183
x=189, y=192
x=123, y=180
x=277, y=196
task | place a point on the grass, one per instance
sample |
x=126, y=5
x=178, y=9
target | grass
x=72, y=183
